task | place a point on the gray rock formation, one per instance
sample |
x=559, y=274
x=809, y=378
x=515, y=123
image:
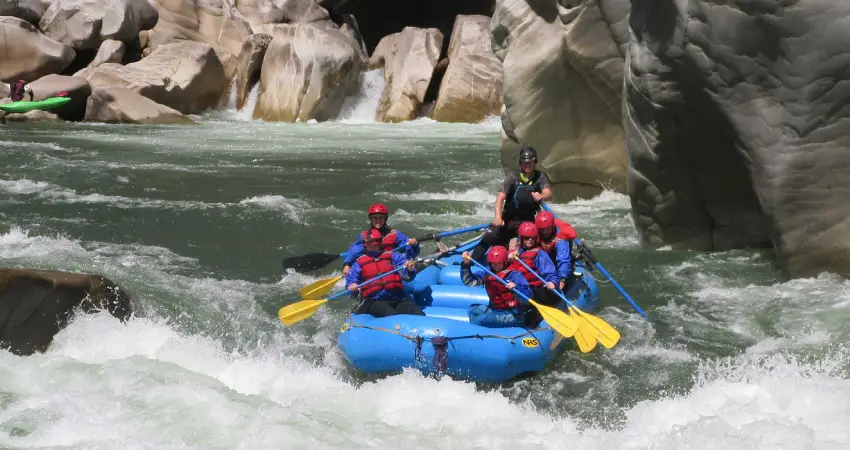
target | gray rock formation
x=736, y=127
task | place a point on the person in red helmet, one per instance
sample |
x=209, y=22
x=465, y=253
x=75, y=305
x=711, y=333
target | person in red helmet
x=19, y=89
x=387, y=296
x=557, y=241
x=531, y=254
x=378, y=214
x=518, y=201
x=505, y=309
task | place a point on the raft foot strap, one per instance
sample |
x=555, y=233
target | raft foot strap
x=441, y=357
x=418, y=350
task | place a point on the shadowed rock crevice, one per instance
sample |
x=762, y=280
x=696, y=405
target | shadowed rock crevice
x=379, y=18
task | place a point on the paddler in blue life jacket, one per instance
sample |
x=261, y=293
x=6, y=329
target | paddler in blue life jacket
x=518, y=201
x=378, y=214
x=505, y=309
x=18, y=89
x=384, y=297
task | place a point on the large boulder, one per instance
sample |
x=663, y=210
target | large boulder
x=737, y=129
x=185, y=76
x=109, y=52
x=27, y=54
x=214, y=22
x=78, y=90
x=308, y=71
x=121, y=105
x=259, y=12
x=471, y=89
x=250, y=62
x=563, y=69
x=37, y=304
x=29, y=10
x=408, y=58
x=85, y=24
x=32, y=116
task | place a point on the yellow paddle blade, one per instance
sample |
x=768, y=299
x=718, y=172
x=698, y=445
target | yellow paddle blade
x=557, y=319
x=585, y=337
x=319, y=289
x=297, y=312
x=606, y=334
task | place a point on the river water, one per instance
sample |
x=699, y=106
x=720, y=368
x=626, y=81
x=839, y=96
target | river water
x=194, y=220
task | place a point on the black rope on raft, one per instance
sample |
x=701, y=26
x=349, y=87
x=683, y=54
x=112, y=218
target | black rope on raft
x=441, y=344
x=414, y=338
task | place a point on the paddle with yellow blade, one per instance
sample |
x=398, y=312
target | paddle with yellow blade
x=590, y=329
x=319, y=289
x=299, y=311
x=557, y=319
x=584, y=250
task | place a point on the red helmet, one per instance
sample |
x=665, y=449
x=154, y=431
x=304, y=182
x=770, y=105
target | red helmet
x=497, y=254
x=372, y=235
x=378, y=208
x=528, y=229
x=544, y=219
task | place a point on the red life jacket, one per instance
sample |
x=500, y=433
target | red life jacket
x=17, y=93
x=565, y=230
x=390, y=241
x=528, y=258
x=371, y=267
x=500, y=296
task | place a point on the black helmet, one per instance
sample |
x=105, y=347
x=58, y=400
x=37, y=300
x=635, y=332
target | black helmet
x=527, y=154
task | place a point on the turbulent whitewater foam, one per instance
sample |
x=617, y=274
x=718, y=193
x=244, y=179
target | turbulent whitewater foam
x=143, y=384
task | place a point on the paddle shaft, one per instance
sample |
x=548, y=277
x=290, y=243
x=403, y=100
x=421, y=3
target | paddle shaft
x=397, y=269
x=557, y=291
x=488, y=272
x=437, y=236
x=605, y=272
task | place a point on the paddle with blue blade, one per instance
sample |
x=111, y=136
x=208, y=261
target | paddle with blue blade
x=585, y=251
x=591, y=329
x=557, y=319
x=313, y=261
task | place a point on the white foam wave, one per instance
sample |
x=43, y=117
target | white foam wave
x=59, y=194
x=474, y=195
x=158, y=387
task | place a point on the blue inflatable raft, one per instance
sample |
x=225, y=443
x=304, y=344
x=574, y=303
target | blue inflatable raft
x=444, y=342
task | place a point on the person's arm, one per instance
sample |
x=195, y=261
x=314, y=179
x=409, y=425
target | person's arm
x=546, y=268
x=411, y=251
x=470, y=278
x=352, y=280
x=563, y=259
x=545, y=189
x=409, y=272
x=521, y=285
x=354, y=252
x=497, y=209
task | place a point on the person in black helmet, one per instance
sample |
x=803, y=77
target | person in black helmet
x=518, y=201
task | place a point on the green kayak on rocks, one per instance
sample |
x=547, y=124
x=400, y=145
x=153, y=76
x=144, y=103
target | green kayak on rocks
x=46, y=104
